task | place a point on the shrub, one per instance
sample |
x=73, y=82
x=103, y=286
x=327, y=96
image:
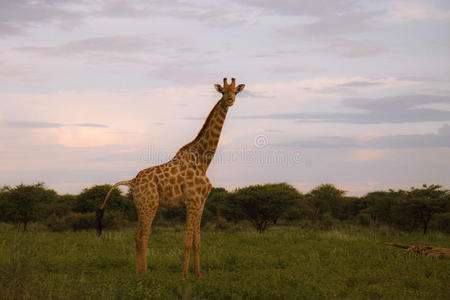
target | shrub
x=442, y=222
x=222, y=224
x=115, y=220
x=80, y=221
x=327, y=222
x=57, y=223
x=363, y=219
x=84, y=221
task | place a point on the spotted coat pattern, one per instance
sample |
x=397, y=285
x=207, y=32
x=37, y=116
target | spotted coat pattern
x=181, y=181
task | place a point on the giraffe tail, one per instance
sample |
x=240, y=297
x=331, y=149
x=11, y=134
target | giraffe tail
x=100, y=211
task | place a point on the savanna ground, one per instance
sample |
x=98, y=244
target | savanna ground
x=283, y=263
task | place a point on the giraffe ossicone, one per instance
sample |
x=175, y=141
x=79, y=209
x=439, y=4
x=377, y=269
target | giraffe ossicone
x=180, y=181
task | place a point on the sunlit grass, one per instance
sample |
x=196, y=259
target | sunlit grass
x=284, y=263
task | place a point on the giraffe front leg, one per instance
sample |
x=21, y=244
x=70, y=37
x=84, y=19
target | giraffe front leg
x=195, y=205
x=188, y=237
x=197, y=224
x=197, y=246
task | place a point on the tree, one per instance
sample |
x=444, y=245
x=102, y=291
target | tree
x=216, y=204
x=63, y=205
x=322, y=199
x=91, y=199
x=381, y=205
x=4, y=203
x=131, y=212
x=423, y=203
x=26, y=203
x=298, y=211
x=411, y=209
x=263, y=205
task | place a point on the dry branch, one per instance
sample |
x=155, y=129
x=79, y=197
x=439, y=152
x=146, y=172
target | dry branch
x=423, y=250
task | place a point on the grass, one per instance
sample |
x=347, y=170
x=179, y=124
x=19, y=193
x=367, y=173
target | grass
x=284, y=263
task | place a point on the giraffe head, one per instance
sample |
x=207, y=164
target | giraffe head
x=229, y=91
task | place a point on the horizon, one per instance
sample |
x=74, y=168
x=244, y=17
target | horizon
x=354, y=94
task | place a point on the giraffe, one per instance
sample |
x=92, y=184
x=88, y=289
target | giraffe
x=181, y=181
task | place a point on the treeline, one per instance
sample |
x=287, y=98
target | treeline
x=324, y=207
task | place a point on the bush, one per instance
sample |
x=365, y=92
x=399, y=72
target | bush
x=84, y=221
x=80, y=221
x=442, y=222
x=115, y=220
x=327, y=222
x=304, y=224
x=222, y=224
x=57, y=223
x=363, y=219
x=174, y=214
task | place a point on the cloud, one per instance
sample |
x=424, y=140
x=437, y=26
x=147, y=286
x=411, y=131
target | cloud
x=343, y=46
x=37, y=124
x=19, y=71
x=9, y=29
x=107, y=44
x=295, y=69
x=348, y=23
x=304, y=7
x=212, y=16
x=18, y=16
x=182, y=72
x=397, y=103
x=399, y=109
x=359, y=84
x=417, y=78
x=209, y=14
x=321, y=142
x=411, y=12
x=29, y=124
x=253, y=94
x=332, y=30
x=351, y=48
x=409, y=141
x=332, y=25
x=367, y=155
x=88, y=125
x=439, y=140
x=444, y=131
x=126, y=9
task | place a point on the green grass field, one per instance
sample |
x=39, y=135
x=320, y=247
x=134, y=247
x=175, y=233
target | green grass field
x=283, y=263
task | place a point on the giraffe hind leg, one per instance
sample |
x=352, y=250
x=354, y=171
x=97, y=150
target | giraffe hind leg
x=146, y=212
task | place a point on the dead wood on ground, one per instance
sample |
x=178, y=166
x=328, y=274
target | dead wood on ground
x=423, y=250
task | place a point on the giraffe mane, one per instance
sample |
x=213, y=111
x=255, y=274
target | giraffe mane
x=204, y=127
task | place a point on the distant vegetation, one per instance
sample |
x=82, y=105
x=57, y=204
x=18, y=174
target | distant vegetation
x=259, y=206
x=319, y=245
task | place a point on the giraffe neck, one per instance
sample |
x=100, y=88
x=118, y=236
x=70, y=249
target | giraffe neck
x=202, y=149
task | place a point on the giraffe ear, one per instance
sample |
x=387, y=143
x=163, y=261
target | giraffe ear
x=240, y=88
x=218, y=88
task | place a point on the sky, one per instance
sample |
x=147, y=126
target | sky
x=353, y=93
